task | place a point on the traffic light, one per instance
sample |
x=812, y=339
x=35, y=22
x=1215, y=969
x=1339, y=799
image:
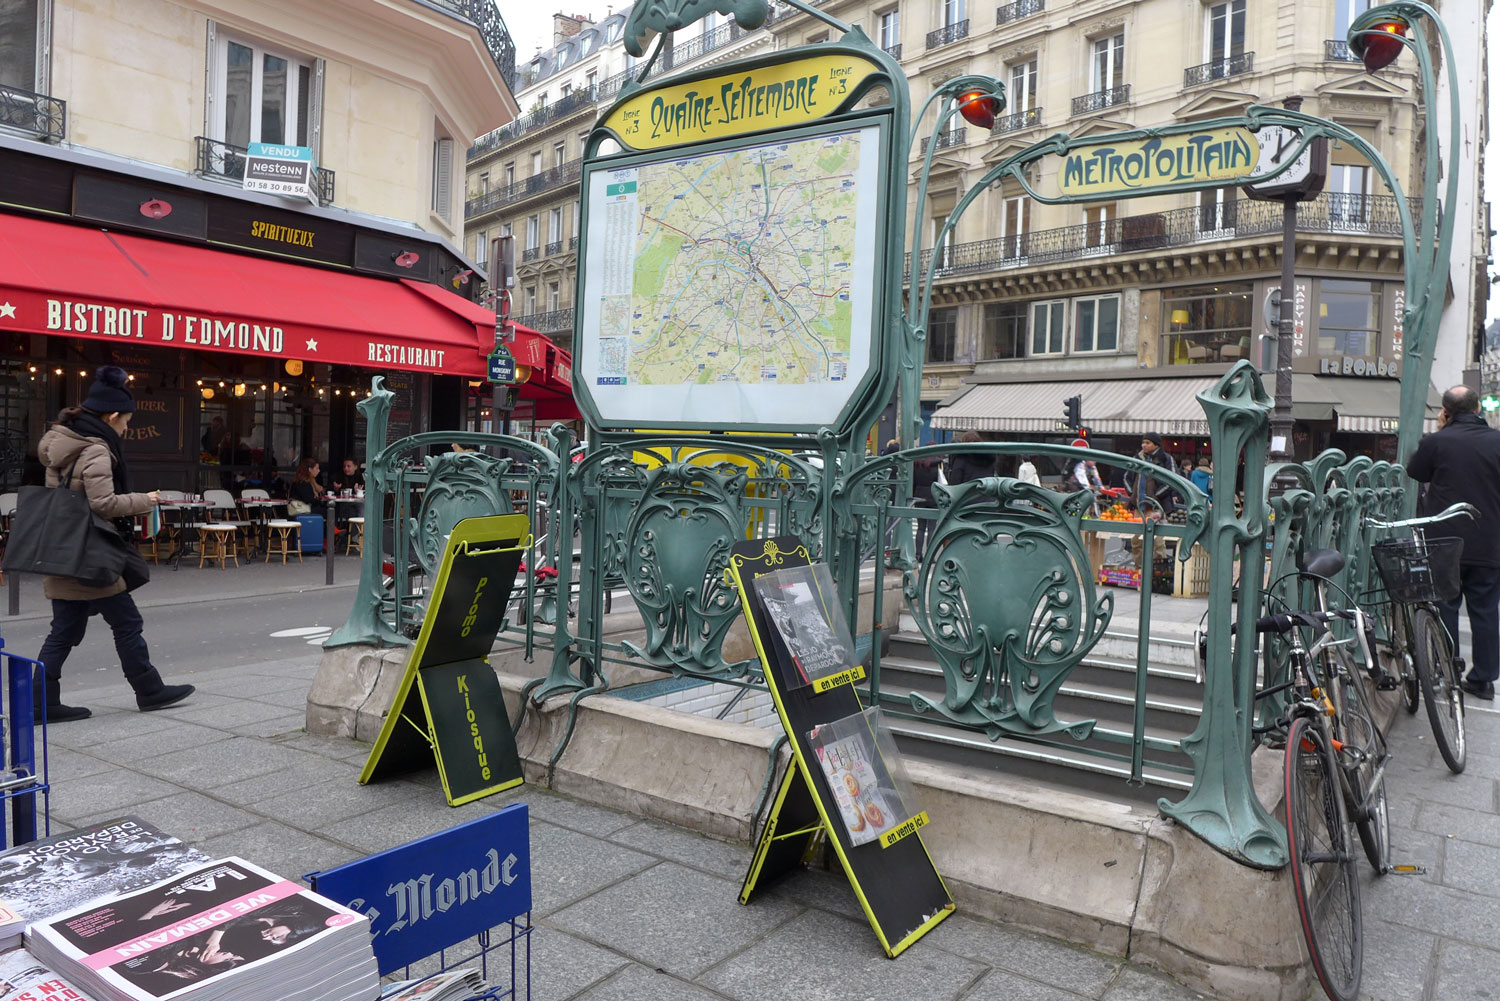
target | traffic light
x=1490, y=403
x=1073, y=411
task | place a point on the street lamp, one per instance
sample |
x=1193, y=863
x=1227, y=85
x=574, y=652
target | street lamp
x=1380, y=47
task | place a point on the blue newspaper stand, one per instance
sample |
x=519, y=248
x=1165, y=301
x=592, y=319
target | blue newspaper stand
x=23, y=782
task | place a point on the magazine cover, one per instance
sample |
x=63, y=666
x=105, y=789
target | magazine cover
x=198, y=927
x=868, y=780
x=803, y=605
x=450, y=986
x=22, y=978
x=48, y=877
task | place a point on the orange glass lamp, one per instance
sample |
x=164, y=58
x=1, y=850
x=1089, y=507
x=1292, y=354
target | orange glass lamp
x=1380, y=46
x=979, y=108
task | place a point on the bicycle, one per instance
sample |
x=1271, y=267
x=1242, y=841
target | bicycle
x=1418, y=574
x=1334, y=778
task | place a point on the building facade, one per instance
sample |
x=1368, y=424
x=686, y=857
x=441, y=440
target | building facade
x=523, y=178
x=1136, y=304
x=250, y=321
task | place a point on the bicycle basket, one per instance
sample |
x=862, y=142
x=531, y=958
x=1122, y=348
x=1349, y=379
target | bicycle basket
x=1425, y=572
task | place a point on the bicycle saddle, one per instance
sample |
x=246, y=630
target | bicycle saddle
x=1322, y=562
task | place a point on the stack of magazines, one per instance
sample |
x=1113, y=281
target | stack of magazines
x=223, y=930
x=453, y=985
x=22, y=978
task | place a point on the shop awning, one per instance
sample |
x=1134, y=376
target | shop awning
x=1119, y=406
x=75, y=281
x=1374, y=405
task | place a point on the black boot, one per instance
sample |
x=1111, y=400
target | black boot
x=52, y=700
x=151, y=694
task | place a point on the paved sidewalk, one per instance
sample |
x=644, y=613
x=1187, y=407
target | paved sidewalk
x=632, y=909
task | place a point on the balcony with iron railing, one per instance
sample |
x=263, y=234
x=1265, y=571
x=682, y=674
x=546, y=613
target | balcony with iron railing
x=37, y=115
x=1101, y=99
x=894, y=51
x=531, y=254
x=946, y=139
x=1332, y=213
x=533, y=120
x=1028, y=119
x=549, y=322
x=1021, y=8
x=955, y=32
x=1337, y=50
x=527, y=187
x=225, y=160
x=607, y=88
x=1218, y=69
x=572, y=243
x=485, y=16
x=553, y=249
x=703, y=44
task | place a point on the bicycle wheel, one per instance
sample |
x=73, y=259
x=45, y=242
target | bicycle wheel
x=1445, y=699
x=1366, y=799
x=1324, y=877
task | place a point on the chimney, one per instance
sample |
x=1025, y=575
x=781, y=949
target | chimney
x=565, y=26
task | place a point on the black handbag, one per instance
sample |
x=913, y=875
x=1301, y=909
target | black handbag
x=55, y=532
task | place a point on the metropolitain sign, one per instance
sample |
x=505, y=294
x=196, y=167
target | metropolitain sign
x=1108, y=168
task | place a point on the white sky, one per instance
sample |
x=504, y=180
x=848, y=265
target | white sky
x=530, y=24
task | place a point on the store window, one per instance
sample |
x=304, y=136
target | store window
x=268, y=94
x=1206, y=323
x=1047, y=321
x=942, y=334
x=1348, y=319
x=1004, y=330
x=1096, y=324
x=19, y=44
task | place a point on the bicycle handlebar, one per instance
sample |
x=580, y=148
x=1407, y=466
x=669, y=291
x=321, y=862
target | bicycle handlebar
x=1284, y=623
x=1452, y=512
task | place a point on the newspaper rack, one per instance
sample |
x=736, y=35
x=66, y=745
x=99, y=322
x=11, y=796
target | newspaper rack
x=23, y=776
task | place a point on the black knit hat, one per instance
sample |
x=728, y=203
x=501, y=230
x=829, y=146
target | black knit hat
x=1152, y=437
x=109, y=394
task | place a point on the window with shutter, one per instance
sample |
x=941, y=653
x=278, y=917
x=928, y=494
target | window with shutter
x=442, y=178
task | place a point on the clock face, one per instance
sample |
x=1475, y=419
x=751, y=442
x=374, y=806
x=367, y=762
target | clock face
x=1277, y=143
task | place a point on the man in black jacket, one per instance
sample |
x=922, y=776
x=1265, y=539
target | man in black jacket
x=1461, y=462
x=1148, y=486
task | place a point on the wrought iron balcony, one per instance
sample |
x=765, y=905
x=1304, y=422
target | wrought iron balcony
x=547, y=180
x=700, y=45
x=1337, y=50
x=1218, y=69
x=35, y=114
x=1030, y=118
x=549, y=322
x=947, y=139
x=1330, y=213
x=531, y=253
x=607, y=88
x=894, y=50
x=553, y=249
x=956, y=32
x=221, y=159
x=572, y=243
x=531, y=121
x=1021, y=8
x=485, y=16
x=1101, y=99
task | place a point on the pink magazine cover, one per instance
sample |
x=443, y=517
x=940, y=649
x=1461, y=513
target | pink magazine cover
x=176, y=935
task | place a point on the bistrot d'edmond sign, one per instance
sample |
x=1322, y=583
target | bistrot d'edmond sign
x=27, y=312
x=1226, y=155
x=764, y=97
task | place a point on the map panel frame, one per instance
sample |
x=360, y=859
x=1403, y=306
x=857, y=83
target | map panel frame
x=751, y=406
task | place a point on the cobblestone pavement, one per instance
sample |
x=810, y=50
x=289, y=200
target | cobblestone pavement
x=627, y=908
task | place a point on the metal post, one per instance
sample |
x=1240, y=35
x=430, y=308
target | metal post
x=1281, y=414
x=13, y=594
x=330, y=515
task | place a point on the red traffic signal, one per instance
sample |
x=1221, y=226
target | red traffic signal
x=979, y=108
x=1382, y=44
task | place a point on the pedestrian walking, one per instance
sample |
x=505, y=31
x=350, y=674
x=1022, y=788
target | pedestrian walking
x=924, y=473
x=1141, y=486
x=1461, y=462
x=85, y=445
x=1027, y=473
x=1203, y=476
x=966, y=466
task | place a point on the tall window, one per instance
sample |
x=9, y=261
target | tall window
x=1004, y=330
x=890, y=28
x=567, y=89
x=510, y=174
x=1107, y=70
x=536, y=163
x=1344, y=13
x=1047, y=319
x=1348, y=188
x=1022, y=94
x=533, y=232
x=481, y=247
x=942, y=253
x=1096, y=323
x=484, y=181
x=591, y=78
x=1096, y=225
x=1015, y=221
x=554, y=223
x=530, y=300
x=953, y=12
x=559, y=154
x=442, y=177
x=942, y=334
x=1224, y=31
x=554, y=297
x=1216, y=211
x=268, y=95
x=1348, y=318
x=18, y=44
x=505, y=229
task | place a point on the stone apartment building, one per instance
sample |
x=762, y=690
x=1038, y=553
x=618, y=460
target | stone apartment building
x=249, y=320
x=523, y=178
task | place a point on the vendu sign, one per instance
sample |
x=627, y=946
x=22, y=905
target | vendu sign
x=280, y=170
x=435, y=892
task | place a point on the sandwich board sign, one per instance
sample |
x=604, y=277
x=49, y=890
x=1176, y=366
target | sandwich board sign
x=449, y=706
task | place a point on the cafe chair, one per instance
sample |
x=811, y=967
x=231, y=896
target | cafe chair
x=284, y=538
x=1197, y=354
x=223, y=510
x=218, y=544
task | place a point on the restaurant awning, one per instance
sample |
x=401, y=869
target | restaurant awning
x=1374, y=405
x=63, y=280
x=1118, y=406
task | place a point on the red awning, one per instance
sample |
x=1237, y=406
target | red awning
x=74, y=281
